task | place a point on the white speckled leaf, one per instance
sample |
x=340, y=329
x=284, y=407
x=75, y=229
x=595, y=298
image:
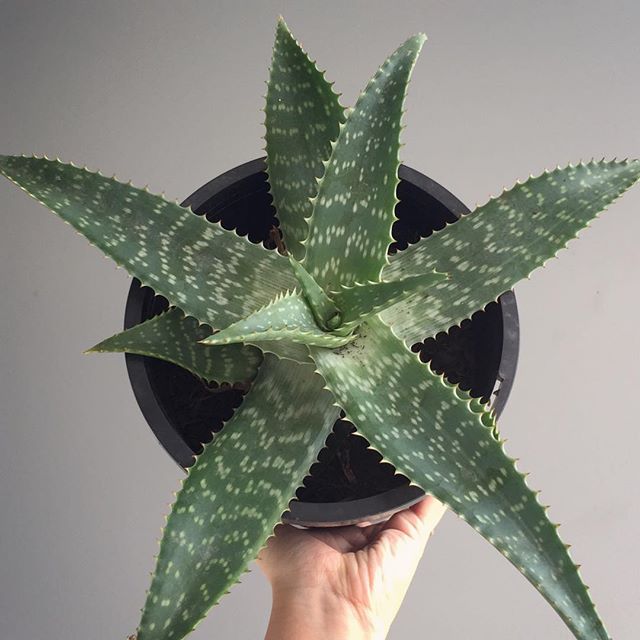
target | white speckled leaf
x=359, y=301
x=235, y=494
x=488, y=251
x=302, y=118
x=350, y=229
x=212, y=274
x=288, y=317
x=175, y=338
x=444, y=442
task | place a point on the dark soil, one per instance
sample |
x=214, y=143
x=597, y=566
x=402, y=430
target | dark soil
x=468, y=355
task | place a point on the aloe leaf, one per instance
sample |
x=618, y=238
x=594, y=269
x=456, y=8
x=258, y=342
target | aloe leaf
x=209, y=272
x=360, y=300
x=350, y=228
x=283, y=349
x=442, y=440
x=175, y=338
x=487, y=252
x=234, y=495
x=324, y=309
x=302, y=118
x=288, y=317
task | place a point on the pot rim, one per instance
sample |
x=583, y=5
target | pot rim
x=309, y=514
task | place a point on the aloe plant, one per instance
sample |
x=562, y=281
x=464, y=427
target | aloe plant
x=326, y=324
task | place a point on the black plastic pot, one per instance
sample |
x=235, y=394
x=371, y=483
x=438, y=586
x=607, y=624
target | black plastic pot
x=349, y=484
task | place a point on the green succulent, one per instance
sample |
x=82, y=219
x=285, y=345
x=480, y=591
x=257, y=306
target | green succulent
x=326, y=324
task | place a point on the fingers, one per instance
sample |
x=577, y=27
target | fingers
x=429, y=511
x=418, y=521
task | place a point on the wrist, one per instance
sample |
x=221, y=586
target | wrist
x=310, y=613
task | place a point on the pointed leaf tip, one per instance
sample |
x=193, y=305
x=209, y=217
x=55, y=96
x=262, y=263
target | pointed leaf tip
x=117, y=218
x=358, y=220
x=302, y=117
x=428, y=430
x=536, y=219
x=175, y=338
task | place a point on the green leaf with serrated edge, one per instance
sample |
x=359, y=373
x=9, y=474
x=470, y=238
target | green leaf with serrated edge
x=302, y=118
x=175, y=338
x=350, y=228
x=487, y=252
x=358, y=301
x=283, y=349
x=288, y=317
x=429, y=432
x=234, y=495
x=322, y=306
x=209, y=272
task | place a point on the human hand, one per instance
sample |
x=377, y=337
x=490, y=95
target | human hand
x=345, y=582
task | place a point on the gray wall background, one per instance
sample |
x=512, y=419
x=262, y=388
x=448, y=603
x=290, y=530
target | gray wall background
x=168, y=93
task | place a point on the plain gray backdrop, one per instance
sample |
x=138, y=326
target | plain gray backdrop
x=169, y=94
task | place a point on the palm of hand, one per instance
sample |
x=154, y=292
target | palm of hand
x=369, y=568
